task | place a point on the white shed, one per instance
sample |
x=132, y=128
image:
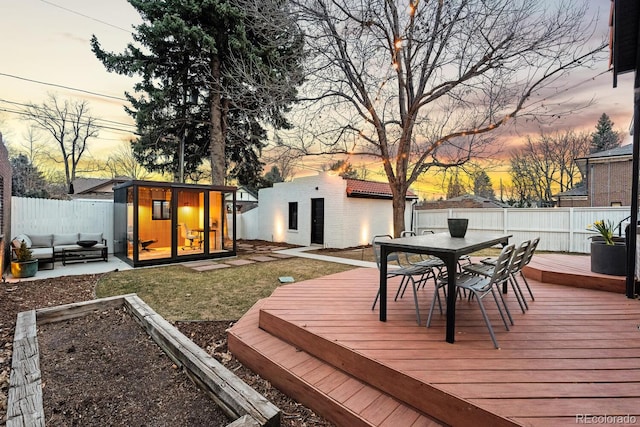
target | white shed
x=327, y=210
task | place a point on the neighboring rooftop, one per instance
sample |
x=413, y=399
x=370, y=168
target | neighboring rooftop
x=464, y=201
x=372, y=189
x=624, y=150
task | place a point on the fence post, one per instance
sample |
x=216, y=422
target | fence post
x=571, y=235
x=505, y=220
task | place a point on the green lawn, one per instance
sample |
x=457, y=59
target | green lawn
x=180, y=293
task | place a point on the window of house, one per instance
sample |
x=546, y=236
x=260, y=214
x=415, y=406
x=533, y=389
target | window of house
x=161, y=209
x=293, y=215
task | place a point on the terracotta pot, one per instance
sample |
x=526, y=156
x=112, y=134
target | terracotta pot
x=457, y=226
x=609, y=259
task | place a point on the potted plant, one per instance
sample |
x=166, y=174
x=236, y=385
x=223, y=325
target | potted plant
x=608, y=253
x=24, y=265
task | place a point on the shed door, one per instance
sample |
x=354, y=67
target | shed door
x=317, y=221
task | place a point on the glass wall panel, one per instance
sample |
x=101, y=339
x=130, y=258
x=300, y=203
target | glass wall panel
x=130, y=233
x=191, y=224
x=120, y=242
x=154, y=223
x=216, y=203
x=230, y=223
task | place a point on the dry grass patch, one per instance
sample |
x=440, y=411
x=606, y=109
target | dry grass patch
x=180, y=293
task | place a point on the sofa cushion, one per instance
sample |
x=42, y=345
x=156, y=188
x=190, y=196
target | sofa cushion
x=91, y=236
x=65, y=239
x=42, y=253
x=41, y=240
x=17, y=241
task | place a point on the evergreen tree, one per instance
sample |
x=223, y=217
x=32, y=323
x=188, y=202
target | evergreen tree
x=26, y=180
x=344, y=169
x=482, y=185
x=273, y=176
x=213, y=74
x=604, y=138
x=455, y=188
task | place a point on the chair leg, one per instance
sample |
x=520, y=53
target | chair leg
x=519, y=295
x=401, y=288
x=504, y=320
x=486, y=320
x=506, y=308
x=527, y=284
x=415, y=299
x=436, y=295
x=375, y=301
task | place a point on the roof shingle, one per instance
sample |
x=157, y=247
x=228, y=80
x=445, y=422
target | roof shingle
x=372, y=189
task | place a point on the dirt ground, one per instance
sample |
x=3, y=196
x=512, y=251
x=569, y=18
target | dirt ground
x=140, y=390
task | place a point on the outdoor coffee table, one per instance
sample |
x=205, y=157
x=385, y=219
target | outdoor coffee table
x=448, y=249
x=79, y=254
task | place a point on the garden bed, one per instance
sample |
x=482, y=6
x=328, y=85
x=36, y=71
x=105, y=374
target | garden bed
x=98, y=359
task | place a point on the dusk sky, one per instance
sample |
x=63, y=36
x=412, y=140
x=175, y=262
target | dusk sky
x=48, y=42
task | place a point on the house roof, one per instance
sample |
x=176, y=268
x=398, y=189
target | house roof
x=577, y=191
x=91, y=185
x=624, y=150
x=486, y=203
x=372, y=189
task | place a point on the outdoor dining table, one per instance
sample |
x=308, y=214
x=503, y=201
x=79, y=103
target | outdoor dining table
x=448, y=249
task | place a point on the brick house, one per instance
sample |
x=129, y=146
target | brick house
x=606, y=177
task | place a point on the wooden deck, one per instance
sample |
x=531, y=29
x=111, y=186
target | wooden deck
x=575, y=352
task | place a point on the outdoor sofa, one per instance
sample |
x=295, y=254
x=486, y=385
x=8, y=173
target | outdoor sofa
x=48, y=248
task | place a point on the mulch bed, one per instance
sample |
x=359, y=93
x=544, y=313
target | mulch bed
x=211, y=336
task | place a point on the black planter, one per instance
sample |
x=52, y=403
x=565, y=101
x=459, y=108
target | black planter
x=457, y=226
x=609, y=259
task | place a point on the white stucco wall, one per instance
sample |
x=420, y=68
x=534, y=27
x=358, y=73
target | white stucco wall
x=348, y=221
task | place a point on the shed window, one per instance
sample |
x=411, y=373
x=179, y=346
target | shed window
x=161, y=209
x=293, y=215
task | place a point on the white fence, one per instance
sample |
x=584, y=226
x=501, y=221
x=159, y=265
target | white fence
x=559, y=229
x=47, y=216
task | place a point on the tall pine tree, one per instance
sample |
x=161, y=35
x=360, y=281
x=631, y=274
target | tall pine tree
x=604, y=138
x=214, y=73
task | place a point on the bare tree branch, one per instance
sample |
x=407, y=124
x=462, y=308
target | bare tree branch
x=427, y=84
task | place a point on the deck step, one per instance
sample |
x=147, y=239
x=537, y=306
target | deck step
x=331, y=393
x=572, y=270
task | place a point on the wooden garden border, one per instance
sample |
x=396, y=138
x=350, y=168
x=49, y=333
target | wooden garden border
x=24, y=407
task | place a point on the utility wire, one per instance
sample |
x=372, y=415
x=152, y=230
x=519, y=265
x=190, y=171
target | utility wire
x=63, y=87
x=40, y=108
x=25, y=114
x=85, y=16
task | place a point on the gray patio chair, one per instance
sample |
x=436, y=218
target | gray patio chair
x=432, y=265
x=481, y=286
x=409, y=274
x=517, y=260
x=526, y=261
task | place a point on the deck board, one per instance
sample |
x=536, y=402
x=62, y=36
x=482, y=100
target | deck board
x=576, y=350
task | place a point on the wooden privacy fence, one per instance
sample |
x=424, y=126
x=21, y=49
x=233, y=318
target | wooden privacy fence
x=48, y=216
x=559, y=229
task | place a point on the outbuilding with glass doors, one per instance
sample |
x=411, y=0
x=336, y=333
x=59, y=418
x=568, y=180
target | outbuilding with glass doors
x=160, y=222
